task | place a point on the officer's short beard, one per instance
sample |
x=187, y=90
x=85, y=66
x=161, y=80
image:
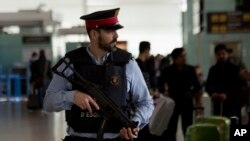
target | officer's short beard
x=106, y=47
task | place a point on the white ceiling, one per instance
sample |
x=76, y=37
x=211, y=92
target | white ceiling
x=158, y=21
x=70, y=11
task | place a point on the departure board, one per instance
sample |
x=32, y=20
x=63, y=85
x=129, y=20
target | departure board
x=36, y=39
x=228, y=22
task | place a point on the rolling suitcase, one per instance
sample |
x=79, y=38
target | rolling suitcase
x=203, y=132
x=222, y=123
x=33, y=102
x=161, y=115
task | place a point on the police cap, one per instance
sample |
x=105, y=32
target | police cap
x=106, y=19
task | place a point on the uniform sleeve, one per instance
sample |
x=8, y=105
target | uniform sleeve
x=59, y=95
x=140, y=94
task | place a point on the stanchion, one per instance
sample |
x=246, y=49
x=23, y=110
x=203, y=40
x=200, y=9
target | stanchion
x=2, y=78
x=17, y=86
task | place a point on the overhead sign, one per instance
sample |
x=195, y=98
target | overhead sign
x=36, y=39
x=228, y=22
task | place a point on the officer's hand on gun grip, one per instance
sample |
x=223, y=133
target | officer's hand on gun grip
x=222, y=96
x=215, y=95
x=83, y=100
x=127, y=134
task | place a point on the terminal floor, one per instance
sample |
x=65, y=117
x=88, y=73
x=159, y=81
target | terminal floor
x=17, y=123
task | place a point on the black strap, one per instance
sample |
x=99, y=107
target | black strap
x=101, y=129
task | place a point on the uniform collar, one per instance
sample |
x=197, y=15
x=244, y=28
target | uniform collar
x=95, y=59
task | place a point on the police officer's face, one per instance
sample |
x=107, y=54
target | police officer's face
x=107, y=39
x=222, y=55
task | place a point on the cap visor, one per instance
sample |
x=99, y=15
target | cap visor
x=112, y=27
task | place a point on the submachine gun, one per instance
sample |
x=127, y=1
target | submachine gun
x=108, y=109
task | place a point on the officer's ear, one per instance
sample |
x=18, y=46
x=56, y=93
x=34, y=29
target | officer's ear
x=94, y=34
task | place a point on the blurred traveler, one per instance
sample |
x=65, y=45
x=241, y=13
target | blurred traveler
x=224, y=84
x=142, y=60
x=183, y=85
x=42, y=75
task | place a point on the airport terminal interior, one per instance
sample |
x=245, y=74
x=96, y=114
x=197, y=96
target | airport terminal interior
x=33, y=28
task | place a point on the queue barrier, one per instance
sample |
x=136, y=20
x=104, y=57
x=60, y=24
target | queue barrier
x=214, y=128
x=203, y=132
x=7, y=79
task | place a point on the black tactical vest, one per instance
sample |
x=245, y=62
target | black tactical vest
x=110, y=76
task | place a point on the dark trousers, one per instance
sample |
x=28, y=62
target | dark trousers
x=75, y=138
x=145, y=135
x=186, y=112
x=227, y=109
x=249, y=119
x=41, y=91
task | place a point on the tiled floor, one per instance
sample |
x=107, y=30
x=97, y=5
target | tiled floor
x=17, y=123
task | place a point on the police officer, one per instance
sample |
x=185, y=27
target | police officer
x=109, y=67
